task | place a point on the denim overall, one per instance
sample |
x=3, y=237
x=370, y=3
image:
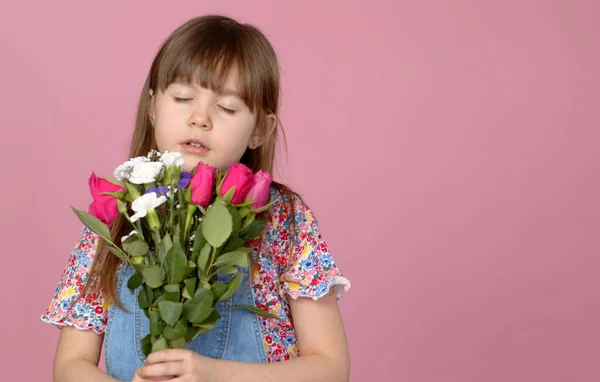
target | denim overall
x=236, y=336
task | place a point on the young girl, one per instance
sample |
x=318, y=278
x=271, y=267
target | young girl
x=212, y=94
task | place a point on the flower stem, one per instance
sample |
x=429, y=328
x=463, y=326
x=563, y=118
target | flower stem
x=188, y=220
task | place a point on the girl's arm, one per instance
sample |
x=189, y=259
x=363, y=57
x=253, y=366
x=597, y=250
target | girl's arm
x=77, y=356
x=323, y=348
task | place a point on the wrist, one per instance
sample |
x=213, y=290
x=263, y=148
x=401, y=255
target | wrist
x=223, y=371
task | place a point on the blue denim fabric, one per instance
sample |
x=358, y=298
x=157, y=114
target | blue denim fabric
x=236, y=336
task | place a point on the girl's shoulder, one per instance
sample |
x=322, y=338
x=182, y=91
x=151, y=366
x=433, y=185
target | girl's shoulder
x=296, y=252
x=288, y=208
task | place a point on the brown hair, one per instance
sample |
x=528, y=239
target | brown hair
x=204, y=50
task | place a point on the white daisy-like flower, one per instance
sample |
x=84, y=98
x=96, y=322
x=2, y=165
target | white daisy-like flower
x=146, y=172
x=169, y=158
x=144, y=203
x=124, y=170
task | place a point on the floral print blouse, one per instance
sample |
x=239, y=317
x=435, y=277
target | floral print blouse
x=310, y=271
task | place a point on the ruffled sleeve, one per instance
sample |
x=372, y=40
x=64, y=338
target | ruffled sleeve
x=66, y=308
x=309, y=270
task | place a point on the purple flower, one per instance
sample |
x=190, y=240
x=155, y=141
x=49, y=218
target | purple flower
x=160, y=190
x=184, y=179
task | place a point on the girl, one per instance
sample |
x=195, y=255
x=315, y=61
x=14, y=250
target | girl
x=212, y=94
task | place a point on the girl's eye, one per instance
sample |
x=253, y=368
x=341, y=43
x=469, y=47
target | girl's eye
x=181, y=100
x=228, y=111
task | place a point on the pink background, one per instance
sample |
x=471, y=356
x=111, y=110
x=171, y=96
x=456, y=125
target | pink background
x=449, y=149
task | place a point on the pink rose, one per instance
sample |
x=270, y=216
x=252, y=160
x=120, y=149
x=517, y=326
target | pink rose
x=104, y=207
x=202, y=184
x=259, y=190
x=240, y=177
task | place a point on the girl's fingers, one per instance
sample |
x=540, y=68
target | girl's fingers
x=167, y=355
x=162, y=369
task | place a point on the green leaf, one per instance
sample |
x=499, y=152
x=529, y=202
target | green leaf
x=199, y=308
x=172, y=292
x=254, y=229
x=167, y=242
x=218, y=288
x=132, y=191
x=190, y=287
x=135, y=247
x=232, y=286
x=260, y=312
x=176, y=332
x=236, y=220
x=156, y=324
x=203, y=258
x=237, y=257
x=118, y=252
x=209, y=323
x=116, y=195
x=203, y=284
x=244, y=211
x=191, y=333
x=249, y=219
x=233, y=243
x=170, y=311
x=122, y=207
x=134, y=281
x=160, y=344
x=146, y=345
x=228, y=270
x=153, y=275
x=176, y=265
x=217, y=224
x=199, y=242
x=150, y=294
x=229, y=194
x=263, y=208
x=143, y=300
x=177, y=235
x=94, y=224
x=178, y=343
x=114, y=181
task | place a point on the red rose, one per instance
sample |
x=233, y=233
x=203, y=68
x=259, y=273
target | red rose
x=240, y=177
x=259, y=190
x=202, y=184
x=104, y=207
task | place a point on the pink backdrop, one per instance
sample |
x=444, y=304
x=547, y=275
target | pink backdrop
x=449, y=148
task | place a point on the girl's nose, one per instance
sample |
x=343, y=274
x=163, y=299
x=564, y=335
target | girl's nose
x=200, y=118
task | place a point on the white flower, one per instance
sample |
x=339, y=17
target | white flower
x=144, y=203
x=124, y=170
x=146, y=172
x=134, y=232
x=169, y=158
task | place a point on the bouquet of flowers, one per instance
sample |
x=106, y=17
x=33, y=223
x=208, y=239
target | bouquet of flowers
x=185, y=229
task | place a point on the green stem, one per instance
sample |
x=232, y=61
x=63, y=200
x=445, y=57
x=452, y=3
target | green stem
x=210, y=272
x=172, y=205
x=157, y=247
x=188, y=219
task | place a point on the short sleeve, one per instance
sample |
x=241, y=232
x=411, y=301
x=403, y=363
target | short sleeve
x=309, y=270
x=66, y=308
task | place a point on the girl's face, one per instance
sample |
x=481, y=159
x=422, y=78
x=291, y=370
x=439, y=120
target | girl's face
x=202, y=125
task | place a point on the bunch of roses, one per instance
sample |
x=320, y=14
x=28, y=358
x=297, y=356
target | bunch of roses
x=186, y=229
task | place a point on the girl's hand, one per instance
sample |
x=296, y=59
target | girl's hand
x=180, y=365
x=137, y=378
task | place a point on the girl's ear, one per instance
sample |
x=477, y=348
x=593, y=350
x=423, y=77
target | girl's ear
x=260, y=137
x=151, y=109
